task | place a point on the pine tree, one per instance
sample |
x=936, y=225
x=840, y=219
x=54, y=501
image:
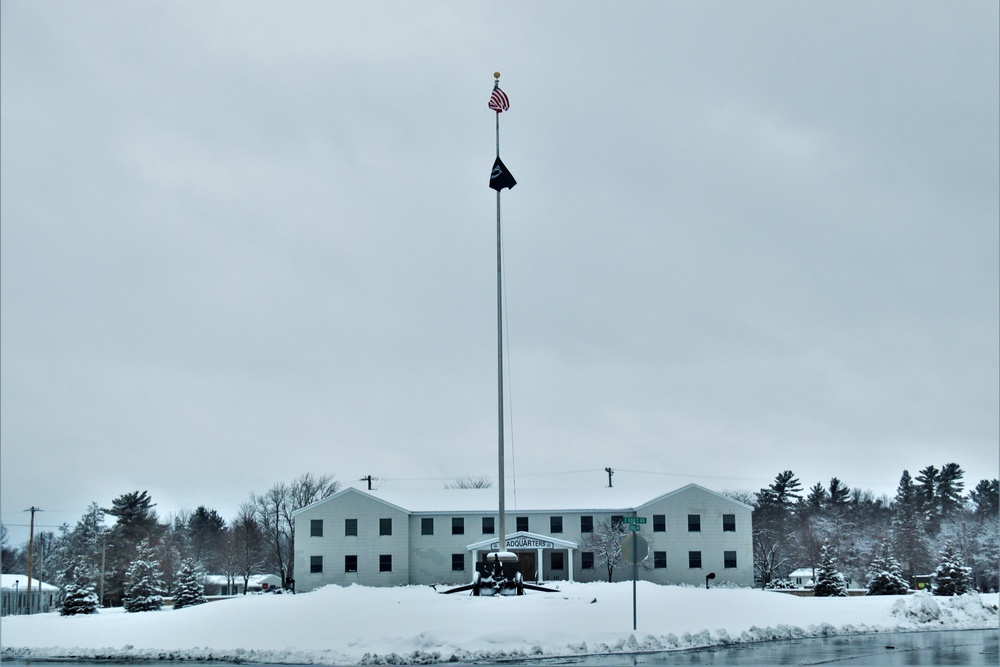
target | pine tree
x=885, y=576
x=829, y=581
x=80, y=597
x=143, y=588
x=189, y=590
x=951, y=577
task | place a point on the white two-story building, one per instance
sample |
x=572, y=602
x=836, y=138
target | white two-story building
x=391, y=537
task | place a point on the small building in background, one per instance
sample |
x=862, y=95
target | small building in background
x=219, y=585
x=14, y=595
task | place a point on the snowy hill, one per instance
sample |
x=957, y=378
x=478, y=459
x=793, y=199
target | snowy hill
x=416, y=624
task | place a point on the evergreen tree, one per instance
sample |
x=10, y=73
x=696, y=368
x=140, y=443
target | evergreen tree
x=951, y=577
x=817, y=498
x=927, y=498
x=189, y=590
x=986, y=498
x=909, y=535
x=829, y=580
x=143, y=588
x=79, y=596
x=839, y=493
x=885, y=576
x=949, y=489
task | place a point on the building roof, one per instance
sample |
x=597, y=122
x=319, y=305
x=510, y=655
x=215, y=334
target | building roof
x=427, y=499
x=10, y=582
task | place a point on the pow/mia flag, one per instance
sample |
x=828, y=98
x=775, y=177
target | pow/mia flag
x=501, y=178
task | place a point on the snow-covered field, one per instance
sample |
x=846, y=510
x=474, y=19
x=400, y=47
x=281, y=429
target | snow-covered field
x=413, y=624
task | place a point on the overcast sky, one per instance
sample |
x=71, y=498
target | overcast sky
x=244, y=241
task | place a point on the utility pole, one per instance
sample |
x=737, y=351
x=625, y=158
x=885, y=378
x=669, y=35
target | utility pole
x=369, y=479
x=610, y=473
x=31, y=550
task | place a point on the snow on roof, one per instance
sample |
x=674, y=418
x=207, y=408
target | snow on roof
x=422, y=497
x=254, y=580
x=10, y=582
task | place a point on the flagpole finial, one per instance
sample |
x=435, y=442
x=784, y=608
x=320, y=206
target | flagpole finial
x=496, y=75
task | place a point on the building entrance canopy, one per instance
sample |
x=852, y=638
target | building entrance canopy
x=525, y=540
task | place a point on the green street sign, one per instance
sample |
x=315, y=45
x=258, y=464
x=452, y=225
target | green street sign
x=633, y=520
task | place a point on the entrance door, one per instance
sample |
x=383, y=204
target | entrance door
x=526, y=559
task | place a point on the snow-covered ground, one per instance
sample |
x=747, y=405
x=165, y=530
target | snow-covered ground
x=417, y=625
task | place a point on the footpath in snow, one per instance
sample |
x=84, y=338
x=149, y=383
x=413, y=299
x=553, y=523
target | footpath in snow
x=359, y=625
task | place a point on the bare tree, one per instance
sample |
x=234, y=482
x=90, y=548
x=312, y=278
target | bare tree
x=274, y=509
x=605, y=542
x=248, y=544
x=470, y=482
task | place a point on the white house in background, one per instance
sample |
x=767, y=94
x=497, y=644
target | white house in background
x=802, y=577
x=393, y=537
x=14, y=595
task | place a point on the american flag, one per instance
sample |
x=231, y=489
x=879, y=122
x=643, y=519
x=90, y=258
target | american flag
x=499, y=101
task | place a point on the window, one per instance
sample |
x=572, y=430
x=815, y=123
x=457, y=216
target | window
x=587, y=560
x=522, y=523
x=555, y=524
x=694, y=523
x=488, y=528
x=350, y=563
x=385, y=563
x=694, y=560
x=457, y=562
x=457, y=525
x=427, y=526
x=316, y=528
x=385, y=526
x=350, y=527
x=558, y=561
x=587, y=525
x=730, y=559
x=729, y=523
x=659, y=559
x=315, y=564
x=659, y=523
x=616, y=521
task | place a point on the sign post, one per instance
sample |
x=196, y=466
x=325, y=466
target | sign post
x=635, y=548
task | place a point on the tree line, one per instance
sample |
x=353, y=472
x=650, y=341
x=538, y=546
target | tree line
x=258, y=540
x=929, y=515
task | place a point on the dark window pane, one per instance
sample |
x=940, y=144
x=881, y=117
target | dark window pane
x=351, y=527
x=427, y=526
x=616, y=521
x=659, y=523
x=555, y=524
x=730, y=558
x=316, y=528
x=587, y=525
x=558, y=562
x=522, y=523
x=659, y=559
x=315, y=564
x=350, y=563
x=457, y=525
x=694, y=523
x=488, y=528
x=694, y=559
x=385, y=563
x=385, y=526
x=587, y=560
x=729, y=523
x=457, y=562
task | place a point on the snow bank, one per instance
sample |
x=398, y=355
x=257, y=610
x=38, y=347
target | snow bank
x=416, y=625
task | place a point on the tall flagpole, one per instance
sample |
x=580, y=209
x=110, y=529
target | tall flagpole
x=500, y=463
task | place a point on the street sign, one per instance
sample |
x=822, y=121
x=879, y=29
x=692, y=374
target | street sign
x=634, y=522
x=635, y=548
